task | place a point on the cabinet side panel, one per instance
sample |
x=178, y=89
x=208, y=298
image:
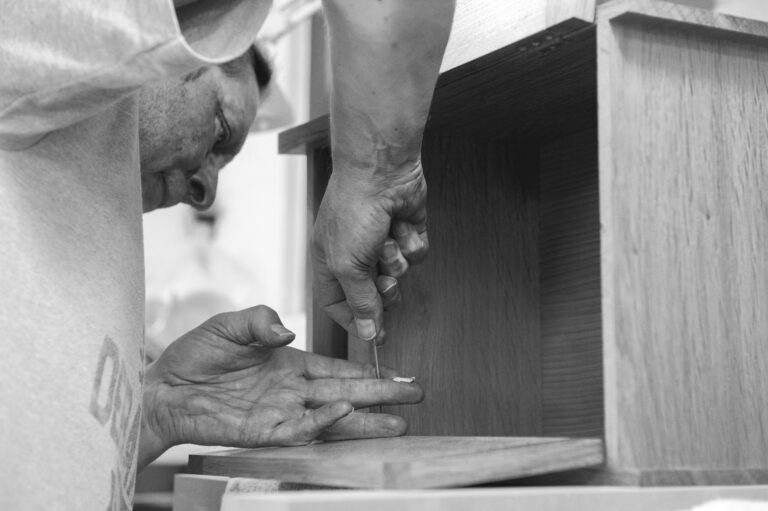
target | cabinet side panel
x=683, y=180
x=569, y=251
x=468, y=328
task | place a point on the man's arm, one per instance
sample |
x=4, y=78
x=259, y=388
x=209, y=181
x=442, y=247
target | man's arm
x=385, y=59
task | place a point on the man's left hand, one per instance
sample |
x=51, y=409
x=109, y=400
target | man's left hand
x=232, y=381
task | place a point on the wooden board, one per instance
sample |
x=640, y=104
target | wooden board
x=404, y=462
x=325, y=337
x=468, y=328
x=683, y=158
x=569, y=260
x=506, y=499
x=483, y=26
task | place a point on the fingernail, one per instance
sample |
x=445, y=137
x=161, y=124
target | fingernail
x=366, y=329
x=404, y=379
x=389, y=287
x=282, y=331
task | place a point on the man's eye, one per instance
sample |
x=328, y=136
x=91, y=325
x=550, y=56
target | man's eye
x=222, y=129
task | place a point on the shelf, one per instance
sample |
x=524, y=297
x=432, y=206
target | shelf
x=405, y=462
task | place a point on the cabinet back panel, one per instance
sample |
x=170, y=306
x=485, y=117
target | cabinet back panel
x=569, y=251
x=468, y=328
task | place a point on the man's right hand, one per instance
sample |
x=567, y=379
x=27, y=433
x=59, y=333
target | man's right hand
x=368, y=231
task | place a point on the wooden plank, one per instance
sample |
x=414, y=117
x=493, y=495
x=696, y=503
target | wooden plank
x=541, y=87
x=404, y=462
x=506, y=499
x=602, y=476
x=703, y=22
x=325, y=336
x=684, y=239
x=468, y=327
x=569, y=252
x=198, y=493
x=483, y=26
x=313, y=133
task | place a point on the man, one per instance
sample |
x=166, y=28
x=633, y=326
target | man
x=74, y=135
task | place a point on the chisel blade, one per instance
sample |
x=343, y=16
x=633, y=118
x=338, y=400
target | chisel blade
x=375, y=349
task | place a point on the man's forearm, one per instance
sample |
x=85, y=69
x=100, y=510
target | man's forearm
x=385, y=58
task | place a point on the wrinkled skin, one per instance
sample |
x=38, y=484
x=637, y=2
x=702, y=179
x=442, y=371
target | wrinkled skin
x=189, y=128
x=368, y=231
x=232, y=381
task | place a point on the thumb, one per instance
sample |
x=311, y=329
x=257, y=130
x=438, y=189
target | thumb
x=365, y=303
x=258, y=326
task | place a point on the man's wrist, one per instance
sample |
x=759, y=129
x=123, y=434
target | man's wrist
x=376, y=176
x=151, y=443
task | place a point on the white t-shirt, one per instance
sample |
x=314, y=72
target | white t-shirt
x=71, y=262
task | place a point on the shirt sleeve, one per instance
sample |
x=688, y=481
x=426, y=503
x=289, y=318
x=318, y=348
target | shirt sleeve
x=63, y=62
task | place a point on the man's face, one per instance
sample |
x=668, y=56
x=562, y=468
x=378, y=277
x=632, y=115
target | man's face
x=189, y=128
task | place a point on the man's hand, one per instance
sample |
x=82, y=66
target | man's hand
x=232, y=382
x=385, y=57
x=361, y=222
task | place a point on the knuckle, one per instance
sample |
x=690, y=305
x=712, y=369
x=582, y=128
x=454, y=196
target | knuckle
x=261, y=309
x=369, y=370
x=361, y=303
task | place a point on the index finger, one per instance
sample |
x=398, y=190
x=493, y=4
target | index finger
x=362, y=393
x=319, y=366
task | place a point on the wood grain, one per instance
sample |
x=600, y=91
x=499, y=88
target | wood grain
x=483, y=26
x=684, y=220
x=501, y=499
x=404, y=462
x=682, y=18
x=468, y=328
x=325, y=337
x=540, y=87
x=561, y=10
x=569, y=253
x=602, y=476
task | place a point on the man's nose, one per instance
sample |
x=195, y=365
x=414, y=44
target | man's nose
x=202, y=187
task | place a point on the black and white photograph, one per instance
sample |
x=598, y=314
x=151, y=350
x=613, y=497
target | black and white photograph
x=439, y=255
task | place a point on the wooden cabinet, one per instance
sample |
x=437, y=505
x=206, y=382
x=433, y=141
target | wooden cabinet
x=598, y=201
